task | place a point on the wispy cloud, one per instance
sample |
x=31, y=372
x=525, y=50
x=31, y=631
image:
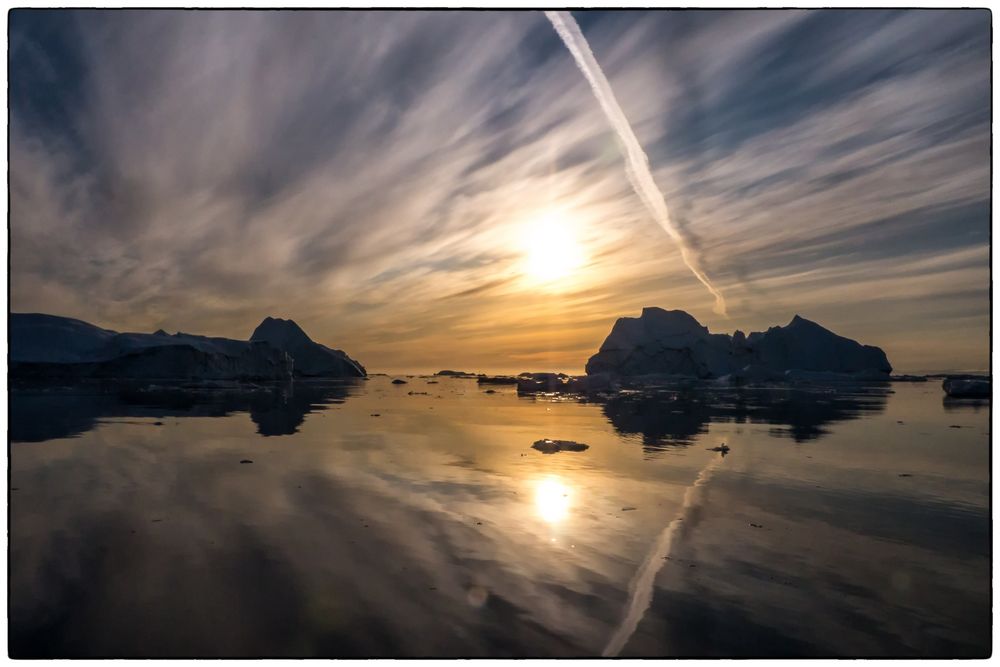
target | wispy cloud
x=198, y=170
x=636, y=160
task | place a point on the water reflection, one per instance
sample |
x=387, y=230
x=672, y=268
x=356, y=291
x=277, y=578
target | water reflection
x=664, y=418
x=965, y=404
x=552, y=499
x=39, y=413
x=435, y=529
x=672, y=418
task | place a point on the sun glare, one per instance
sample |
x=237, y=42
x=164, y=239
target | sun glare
x=552, y=499
x=552, y=249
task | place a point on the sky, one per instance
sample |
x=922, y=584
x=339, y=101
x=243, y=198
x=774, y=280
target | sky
x=430, y=190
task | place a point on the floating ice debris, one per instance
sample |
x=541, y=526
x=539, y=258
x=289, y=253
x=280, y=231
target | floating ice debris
x=497, y=379
x=535, y=383
x=548, y=446
x=908, y=378
x=967, y=387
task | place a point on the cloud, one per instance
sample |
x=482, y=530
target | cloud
x=199, y=170
x=636, y=160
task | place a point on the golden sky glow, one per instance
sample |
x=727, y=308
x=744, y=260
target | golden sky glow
x=429, y=191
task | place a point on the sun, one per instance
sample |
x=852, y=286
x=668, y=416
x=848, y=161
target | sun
x=552, y=248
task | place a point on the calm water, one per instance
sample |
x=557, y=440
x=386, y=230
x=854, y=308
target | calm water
x=435, y=530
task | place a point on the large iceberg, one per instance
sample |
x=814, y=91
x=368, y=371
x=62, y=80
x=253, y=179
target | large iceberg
x=49, y=346
x=672, y=342
x=311, y=358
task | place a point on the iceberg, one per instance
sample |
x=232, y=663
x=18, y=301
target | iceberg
x=48, y=347
x=672, y=342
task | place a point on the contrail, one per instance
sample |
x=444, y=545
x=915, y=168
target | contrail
x=641, y=587
x=636, y=161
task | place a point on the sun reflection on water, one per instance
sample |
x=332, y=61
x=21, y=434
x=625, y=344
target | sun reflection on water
x=552, y=499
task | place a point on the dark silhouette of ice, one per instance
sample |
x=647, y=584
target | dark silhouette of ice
x=311, y=358
x=49, y=346
x=673, y=342
x=496, y=379
x=535, y=383
x=548, y=446
x=967, y=387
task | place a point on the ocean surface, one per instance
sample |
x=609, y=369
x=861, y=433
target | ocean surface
x=373, y=519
